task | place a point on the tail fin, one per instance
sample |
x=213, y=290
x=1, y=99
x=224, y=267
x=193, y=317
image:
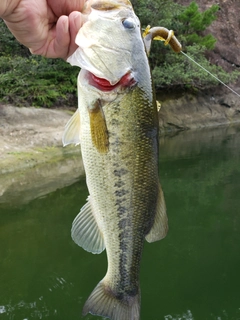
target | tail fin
x=103, y=302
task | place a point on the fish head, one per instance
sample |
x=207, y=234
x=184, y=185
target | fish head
x=108, y=42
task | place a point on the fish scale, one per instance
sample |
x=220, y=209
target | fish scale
x=117, y=127
x=122, y=184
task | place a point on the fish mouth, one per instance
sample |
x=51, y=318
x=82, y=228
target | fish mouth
x=104, y=85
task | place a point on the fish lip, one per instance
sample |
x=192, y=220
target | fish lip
x=103, y=84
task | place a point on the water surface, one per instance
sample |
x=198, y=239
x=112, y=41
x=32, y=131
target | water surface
x=194, y=273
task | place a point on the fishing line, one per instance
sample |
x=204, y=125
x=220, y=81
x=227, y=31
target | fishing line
x=210, y=73
x=163, y=34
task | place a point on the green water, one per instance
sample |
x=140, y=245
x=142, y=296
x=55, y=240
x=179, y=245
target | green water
x=194, y=273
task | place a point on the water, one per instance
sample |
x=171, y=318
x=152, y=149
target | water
x=194, y=273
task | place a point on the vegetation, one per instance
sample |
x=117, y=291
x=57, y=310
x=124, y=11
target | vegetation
x=32, y=80
x=171, y=70
x=27, y=79
x=37, y=81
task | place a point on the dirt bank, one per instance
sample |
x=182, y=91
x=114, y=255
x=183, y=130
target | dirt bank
x=32, y=159
x=30, y=136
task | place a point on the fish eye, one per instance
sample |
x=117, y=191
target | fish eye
x=128, y=24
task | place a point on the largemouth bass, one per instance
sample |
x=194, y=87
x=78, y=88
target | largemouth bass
x=117, y=126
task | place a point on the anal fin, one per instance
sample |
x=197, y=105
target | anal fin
x=160, y=225
x=85, y=230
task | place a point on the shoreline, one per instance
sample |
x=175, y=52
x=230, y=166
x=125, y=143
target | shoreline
x=32, y=155
x=33, y=161
x=187, y=111
x=31, y=136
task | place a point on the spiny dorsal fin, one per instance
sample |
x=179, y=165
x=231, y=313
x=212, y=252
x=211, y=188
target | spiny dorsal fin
x=160, y=226
x=72, y=130
x=86, y=232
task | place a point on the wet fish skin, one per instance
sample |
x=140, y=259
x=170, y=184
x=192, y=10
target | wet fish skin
x=124, y=188
x=118, y=132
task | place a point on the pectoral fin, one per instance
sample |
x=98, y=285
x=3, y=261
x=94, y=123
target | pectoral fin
x=85, y=230
x=72, y=130
x=98, y=127
x=160, y=226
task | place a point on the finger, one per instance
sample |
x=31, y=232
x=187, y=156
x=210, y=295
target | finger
x=65, y=7
x=76, y=20
x=60, y=45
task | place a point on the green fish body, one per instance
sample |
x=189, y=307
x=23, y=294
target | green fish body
x=117, y=126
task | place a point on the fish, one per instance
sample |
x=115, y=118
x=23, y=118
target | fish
x=116, y=125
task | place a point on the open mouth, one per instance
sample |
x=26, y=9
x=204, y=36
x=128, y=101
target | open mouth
x=104, y=85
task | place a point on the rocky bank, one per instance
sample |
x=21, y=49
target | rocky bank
x=220, y=105
x=31, y=136
x=34, y=163
x=187, y=111
x=226, y=30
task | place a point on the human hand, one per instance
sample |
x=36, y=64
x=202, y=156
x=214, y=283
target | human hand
x=46, y=27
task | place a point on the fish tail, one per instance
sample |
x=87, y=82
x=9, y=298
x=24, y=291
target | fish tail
x=105, y=303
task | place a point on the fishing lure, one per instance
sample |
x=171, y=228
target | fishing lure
x=163, y=34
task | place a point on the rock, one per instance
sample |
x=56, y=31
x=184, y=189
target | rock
x=198, y=111
x=226, y=30
x=220, y=106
